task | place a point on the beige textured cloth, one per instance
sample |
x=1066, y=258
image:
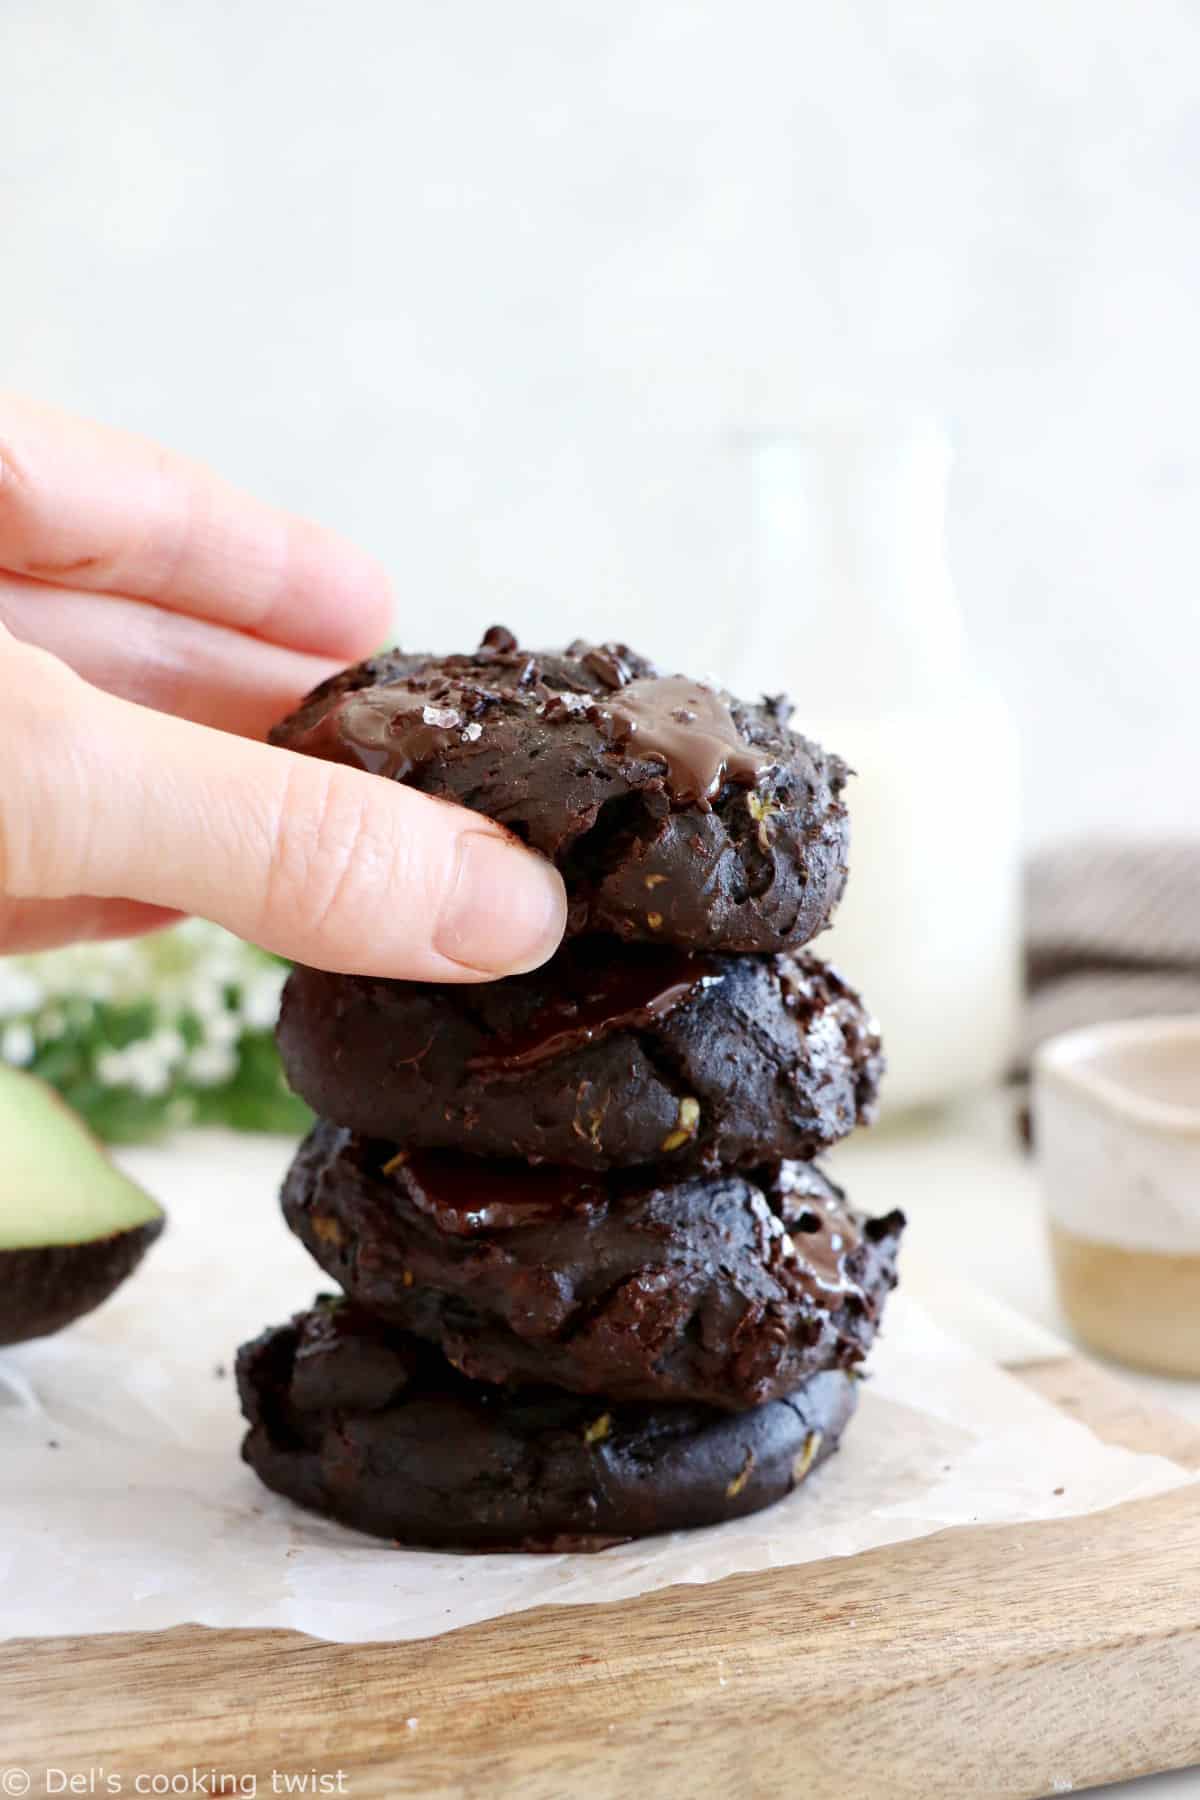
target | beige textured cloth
x=1112, y=932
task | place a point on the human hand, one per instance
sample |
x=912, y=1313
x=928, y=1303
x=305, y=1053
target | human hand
x=153, y=623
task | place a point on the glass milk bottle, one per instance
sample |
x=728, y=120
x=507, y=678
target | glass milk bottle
x=858, y=622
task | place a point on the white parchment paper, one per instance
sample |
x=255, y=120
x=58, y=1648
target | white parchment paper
x=124, y=1505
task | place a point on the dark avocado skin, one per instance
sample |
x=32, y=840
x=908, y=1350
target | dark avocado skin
x=43, y=1289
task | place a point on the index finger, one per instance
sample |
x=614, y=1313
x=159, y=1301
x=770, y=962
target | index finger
x=89, y=507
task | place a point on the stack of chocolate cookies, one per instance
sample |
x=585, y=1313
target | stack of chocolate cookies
x=594, y=1284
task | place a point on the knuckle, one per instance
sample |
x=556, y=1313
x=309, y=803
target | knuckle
x=14, y=486
x=174, y=524
x=40, y=698
x=332, y=856
x=12, y=478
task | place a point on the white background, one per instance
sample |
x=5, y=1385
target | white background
x=495, y=287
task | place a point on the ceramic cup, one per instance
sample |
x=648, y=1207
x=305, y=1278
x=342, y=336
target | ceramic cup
x=1117, y=1134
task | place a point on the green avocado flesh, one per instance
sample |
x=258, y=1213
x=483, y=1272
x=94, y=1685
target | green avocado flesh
x=57, y=1186
x=72, y=1227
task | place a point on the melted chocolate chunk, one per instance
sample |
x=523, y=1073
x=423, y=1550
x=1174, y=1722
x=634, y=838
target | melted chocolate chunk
x=692, y=731
x=820, y=1233
x=391, y=732
x=622, y=994
x=465, y=1194
x=498, y=637
x=608, y=665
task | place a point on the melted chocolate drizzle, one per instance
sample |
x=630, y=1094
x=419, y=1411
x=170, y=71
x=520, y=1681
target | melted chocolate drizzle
x=809, y=1236
x=395, y=730
x=823, y=1233
x=624, y=993
x=385, y=730
x=464, y=1194
x=692, y=731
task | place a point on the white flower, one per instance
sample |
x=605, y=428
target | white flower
x=210, y=1064
x=260, y=999
x=17, y=1044
x=169, y=1044
x=112, y=1070
x=206, y=998
x=194, y=976
x=148, y=1072
x=223, y=1028
x=19, y=991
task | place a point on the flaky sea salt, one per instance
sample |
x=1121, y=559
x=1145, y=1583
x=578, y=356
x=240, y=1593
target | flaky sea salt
x=444, y=717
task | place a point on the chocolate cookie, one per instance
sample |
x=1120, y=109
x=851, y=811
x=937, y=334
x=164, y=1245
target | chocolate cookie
x=609, y=1055
x=375, y=1429
x=721, y=1289
x=675, y=812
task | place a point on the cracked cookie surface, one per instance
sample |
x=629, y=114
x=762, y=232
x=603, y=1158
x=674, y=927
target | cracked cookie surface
x=609, y=1055
x=726, y=1289
x=676, y=813
x=371, y=1427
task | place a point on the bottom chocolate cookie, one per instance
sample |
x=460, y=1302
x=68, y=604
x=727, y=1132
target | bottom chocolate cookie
x=377, y=1430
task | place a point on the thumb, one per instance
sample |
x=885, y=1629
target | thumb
x=324, y=864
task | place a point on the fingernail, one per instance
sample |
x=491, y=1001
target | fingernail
x=506, y=911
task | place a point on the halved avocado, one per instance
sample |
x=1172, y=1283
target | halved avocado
x=72, y=1227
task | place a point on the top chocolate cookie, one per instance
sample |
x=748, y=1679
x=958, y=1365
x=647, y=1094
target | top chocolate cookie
x=676, y=813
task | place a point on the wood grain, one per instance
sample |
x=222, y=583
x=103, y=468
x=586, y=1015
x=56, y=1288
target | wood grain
x=999, y=1661
x=1115, y=1412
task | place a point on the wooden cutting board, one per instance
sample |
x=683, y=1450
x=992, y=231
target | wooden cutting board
x=987, y=1661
